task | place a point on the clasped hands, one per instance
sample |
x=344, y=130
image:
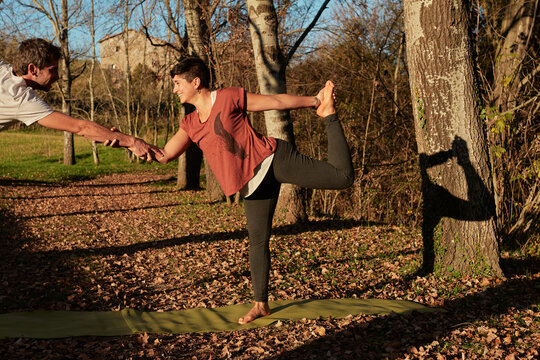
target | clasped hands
x=140, y=148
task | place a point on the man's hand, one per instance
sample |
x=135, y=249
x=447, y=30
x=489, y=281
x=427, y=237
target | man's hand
x=140, y=148
x=112, y=143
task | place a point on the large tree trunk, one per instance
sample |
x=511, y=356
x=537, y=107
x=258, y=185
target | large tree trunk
x=263, y=26
x=459, y=230
x=197, y=28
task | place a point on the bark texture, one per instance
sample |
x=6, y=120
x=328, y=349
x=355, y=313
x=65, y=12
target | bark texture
x=459, y=230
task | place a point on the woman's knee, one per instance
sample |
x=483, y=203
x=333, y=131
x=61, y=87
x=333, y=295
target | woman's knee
x=347, y=180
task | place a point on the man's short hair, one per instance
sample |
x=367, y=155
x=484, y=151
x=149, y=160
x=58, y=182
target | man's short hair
x=191, y=68
x=34, y=51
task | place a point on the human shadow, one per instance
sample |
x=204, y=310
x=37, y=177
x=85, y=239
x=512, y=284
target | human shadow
x=392, y=336
x=439, y=203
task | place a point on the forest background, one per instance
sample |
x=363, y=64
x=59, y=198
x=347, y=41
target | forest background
x=358, y=45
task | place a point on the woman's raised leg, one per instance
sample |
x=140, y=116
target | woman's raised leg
x=337, y=173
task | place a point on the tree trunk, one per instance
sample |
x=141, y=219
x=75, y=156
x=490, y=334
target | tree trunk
x=91, y=78
x=198, y=40
x=69, y=147
x=527, y=227
x=458, y=228
x=263, y=26
x=125, y=38
x=516, y=30
x=512, y=49
x=197, y=28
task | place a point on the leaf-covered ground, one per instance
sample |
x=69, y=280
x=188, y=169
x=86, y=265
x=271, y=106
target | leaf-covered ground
x=135, y=241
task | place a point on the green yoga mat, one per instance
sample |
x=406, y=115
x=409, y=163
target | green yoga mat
x=59, y=324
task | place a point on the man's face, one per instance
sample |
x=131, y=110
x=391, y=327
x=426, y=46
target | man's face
x=46, y=76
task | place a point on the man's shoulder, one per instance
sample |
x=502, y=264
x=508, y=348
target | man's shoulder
x=8, y=78
x=5, y=69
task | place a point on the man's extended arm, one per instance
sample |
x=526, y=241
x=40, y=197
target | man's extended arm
x=98, y=133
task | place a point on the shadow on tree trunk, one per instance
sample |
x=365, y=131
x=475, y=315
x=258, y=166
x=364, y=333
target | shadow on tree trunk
x=439, y=203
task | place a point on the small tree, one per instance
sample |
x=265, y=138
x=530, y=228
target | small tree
x=91, y=77
x=59, y=19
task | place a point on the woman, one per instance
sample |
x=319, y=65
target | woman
x=243, y=160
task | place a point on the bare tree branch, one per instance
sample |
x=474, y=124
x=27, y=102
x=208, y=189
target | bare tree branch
x=304, y=34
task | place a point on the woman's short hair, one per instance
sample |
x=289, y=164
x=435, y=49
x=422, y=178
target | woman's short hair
x=34, y=51
x=191, y=68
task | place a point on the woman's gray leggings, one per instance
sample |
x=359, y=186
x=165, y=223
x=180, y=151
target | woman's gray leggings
x=289, y=166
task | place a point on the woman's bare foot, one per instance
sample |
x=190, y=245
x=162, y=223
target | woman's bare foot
x=327, y=98
x=260, y=309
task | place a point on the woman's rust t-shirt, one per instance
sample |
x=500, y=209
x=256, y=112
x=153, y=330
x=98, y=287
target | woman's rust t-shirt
x=231, y=146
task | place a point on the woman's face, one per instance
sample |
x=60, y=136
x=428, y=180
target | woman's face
x=183, y=88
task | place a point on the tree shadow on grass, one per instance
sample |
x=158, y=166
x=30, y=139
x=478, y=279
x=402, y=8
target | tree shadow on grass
x=59, y=196
x=22, y=182
x=47, y=279
x=98, y=212
x=38, y=183
x=33, y=280
x=393, y=336
x=324, y=225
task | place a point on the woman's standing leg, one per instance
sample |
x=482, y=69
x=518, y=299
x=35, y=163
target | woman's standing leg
x=292, y=167
x=259, y=208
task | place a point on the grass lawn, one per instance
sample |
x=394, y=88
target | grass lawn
x=38, y=155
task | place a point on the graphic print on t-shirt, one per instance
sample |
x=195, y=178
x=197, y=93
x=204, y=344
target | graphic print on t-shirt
x=231, y=145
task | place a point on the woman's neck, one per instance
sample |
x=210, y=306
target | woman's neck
x=203, y=101
x=203, y=104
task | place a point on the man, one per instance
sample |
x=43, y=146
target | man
x=36, y=67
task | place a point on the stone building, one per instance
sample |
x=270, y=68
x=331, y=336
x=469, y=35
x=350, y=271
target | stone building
x=141, y=51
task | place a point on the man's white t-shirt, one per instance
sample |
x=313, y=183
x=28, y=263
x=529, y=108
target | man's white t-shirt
x=19, y=102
